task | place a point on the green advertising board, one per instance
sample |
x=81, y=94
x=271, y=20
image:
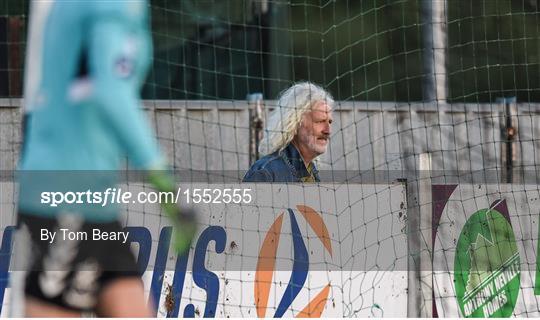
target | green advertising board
x=487, y=266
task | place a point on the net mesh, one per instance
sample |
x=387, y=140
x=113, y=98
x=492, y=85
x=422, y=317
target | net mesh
x=438, y=97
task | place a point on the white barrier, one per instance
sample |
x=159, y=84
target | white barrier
x=341, y=250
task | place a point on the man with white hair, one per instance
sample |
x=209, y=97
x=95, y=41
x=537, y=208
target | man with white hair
x=297, y=132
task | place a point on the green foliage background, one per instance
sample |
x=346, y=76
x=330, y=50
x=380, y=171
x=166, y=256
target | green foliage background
x=360, y=50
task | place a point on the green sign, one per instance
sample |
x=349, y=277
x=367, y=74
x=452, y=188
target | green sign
x=486, y=266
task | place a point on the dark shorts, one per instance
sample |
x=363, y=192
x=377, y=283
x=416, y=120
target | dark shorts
x=71, y=269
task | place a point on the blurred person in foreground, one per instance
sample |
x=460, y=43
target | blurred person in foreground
x=86, y=62
x=298, y=131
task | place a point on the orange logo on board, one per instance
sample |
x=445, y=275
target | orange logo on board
x=300, y=269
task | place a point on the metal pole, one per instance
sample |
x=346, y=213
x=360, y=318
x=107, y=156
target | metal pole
x=434, y=22
x=509, y=141
x=256, y=124
x=435, y=89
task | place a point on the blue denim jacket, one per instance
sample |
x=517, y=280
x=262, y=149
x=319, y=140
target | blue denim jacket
x=283, y=166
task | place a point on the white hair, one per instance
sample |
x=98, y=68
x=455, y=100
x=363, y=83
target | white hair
x=284, y=121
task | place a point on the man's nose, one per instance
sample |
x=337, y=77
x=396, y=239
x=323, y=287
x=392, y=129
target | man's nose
x=326, y=128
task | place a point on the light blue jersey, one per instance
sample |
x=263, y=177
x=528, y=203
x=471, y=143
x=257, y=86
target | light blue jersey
x=86, y=62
